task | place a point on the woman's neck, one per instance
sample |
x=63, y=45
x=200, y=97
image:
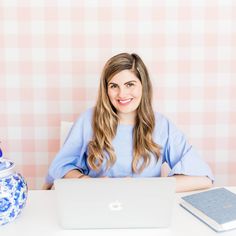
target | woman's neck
x=127, y=119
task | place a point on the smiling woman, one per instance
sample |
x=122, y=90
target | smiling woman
x=124, y=99
x=123, y=137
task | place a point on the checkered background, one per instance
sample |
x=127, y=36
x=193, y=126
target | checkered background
x=52, y=53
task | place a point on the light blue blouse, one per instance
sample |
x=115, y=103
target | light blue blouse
x=181, y=157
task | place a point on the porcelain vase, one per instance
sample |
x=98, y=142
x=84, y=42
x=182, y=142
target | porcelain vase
x=13, y=192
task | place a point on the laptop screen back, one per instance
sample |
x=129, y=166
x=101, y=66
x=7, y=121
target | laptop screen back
x=115, y=202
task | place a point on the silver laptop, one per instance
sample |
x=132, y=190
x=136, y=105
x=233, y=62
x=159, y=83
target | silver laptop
x=95, y=203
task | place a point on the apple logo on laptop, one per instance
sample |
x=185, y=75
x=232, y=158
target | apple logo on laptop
x=116, y=206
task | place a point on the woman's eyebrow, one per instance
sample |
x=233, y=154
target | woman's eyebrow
x=112, y=83
x=130, y=81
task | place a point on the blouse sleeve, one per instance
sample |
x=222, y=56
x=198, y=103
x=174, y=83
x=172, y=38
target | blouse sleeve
x=182, y=157
x=73, y=154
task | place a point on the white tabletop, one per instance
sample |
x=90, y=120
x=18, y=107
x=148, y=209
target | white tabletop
x=39, y=216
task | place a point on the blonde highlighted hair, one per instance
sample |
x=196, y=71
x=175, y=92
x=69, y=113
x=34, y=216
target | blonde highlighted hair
x=105, y=118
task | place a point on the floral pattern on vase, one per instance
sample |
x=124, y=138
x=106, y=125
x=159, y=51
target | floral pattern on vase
x=13, y=192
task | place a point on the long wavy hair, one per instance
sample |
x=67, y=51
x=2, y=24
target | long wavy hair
x=105, y=118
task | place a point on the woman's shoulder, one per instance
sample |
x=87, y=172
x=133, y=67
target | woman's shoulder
x=163, y=124
x=86, y=116
x=161, y=119
x=87, y=113
x=166, y=125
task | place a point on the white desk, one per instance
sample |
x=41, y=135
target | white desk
x=39, y=218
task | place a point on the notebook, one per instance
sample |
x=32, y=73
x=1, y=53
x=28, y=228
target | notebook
x=104, y=203
x=216, y=207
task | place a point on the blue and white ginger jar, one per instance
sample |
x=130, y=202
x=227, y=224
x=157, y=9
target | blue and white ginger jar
x=13, y=192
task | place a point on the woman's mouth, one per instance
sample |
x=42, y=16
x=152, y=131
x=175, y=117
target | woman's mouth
x=124, y=101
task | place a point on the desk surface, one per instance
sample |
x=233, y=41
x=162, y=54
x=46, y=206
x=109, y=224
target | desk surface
x=39, y=216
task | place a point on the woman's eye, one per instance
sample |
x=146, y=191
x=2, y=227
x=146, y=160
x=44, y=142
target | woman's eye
x=130, y=85
x=113, y=86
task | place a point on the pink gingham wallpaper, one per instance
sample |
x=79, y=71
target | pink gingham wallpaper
x=52, y=53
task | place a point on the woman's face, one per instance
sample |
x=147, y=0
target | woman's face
x=125, y=93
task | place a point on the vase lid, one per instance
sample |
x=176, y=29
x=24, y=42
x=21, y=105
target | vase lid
x=5, y=164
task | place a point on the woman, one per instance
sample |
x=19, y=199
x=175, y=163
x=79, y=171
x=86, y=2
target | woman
x=122, y=136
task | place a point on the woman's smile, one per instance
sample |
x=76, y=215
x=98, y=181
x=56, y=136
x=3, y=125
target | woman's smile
x=124, y=102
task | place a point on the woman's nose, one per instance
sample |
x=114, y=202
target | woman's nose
x=122, y=92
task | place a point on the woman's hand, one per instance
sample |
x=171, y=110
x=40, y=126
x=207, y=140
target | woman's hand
x=190, y=183
x=75, y=174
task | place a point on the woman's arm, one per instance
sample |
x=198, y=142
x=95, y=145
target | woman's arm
x=189, y=183
x=71, y=174
x=189, y=169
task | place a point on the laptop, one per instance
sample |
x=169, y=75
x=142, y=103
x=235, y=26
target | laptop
x=109, y=203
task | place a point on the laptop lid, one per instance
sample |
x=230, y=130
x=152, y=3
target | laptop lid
x=115, y=202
